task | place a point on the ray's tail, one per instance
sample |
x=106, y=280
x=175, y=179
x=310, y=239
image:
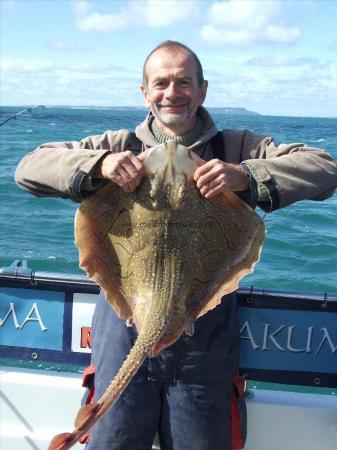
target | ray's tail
x=88, y=415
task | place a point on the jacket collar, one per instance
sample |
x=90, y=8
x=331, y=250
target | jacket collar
x=143, y=131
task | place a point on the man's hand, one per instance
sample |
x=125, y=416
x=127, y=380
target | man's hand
x=215, y=176
x=124, y=169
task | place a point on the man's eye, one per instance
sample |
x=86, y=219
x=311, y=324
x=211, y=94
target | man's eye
x=160, y=84
x=185, y=83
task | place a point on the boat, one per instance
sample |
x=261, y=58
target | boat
x=288, y=358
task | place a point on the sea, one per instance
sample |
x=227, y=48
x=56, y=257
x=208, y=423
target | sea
x=300, y=251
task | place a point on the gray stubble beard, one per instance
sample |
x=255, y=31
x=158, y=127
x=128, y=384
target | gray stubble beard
x=171, y=119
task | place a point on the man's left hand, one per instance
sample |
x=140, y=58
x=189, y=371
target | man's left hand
x=215, y=176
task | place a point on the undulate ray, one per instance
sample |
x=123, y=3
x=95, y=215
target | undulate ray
x=164, y=256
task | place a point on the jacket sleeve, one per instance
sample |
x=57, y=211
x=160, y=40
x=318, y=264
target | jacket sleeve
x=287, y=173
x=62, y=169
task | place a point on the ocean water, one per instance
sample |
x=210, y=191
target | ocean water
x=300, y=252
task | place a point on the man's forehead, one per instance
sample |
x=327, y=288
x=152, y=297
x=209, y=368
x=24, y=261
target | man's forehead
x=178, y=72
x=177, y=60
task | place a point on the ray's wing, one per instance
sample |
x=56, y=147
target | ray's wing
x=96, y=216
x=233, y=235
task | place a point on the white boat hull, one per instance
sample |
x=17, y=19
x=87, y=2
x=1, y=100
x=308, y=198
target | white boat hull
x=34, y=406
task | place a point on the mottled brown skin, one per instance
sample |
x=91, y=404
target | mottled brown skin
x=164, y=256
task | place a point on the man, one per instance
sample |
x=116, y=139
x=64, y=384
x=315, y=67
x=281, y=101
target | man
x=183, y=393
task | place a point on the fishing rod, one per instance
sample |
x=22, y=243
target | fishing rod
x=28, y=109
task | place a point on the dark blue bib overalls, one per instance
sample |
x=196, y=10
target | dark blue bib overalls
x=183, y=393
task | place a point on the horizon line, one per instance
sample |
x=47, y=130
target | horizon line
x=146, y=109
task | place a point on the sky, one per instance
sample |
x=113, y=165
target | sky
x=275, y=57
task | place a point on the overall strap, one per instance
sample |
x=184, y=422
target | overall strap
x=218, y=146
x=135, y=144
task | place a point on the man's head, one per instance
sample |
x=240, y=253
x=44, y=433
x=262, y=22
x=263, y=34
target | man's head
x=173, y=86
x=175, y=45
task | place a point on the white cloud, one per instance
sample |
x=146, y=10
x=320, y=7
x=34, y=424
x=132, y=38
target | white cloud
x=49, y=82
x=280, y=34
x=245, y=23
x=279, y=84
x=163, y=13
x=17, y=65
x=87, y=19
x=141, y=13
x=102, y=22
x=68, y=46
x=241, y=12
x=282, y=61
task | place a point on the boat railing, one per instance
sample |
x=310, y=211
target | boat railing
x=286, y=336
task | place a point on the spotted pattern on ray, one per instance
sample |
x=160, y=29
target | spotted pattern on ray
x=163, y=255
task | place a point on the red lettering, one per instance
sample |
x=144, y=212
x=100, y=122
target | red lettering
x=86, y=337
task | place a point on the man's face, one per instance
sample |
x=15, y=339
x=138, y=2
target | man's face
x=172, y=91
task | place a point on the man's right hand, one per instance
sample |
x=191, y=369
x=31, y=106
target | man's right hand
x=124, y=169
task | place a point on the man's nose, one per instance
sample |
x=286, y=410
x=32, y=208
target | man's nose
x=171, y=90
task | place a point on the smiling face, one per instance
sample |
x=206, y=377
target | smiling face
x=172, y=91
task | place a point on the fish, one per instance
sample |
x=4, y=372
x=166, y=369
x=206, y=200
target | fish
x=164, y=255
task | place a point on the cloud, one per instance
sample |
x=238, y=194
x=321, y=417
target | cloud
x=68, y=46
x=102, y=22
x=165, y=12
x=279, y=85
x=11, y=65
x=46, y=81
x=282, y=61
x=245, y=23
x=141, y=13
x=82, y=69
x=87, y=19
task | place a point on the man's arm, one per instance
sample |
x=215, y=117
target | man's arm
x=275, y=176
x=71, y=169
x=289, y=173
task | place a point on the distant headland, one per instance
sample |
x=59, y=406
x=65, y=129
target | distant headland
x=234, y=111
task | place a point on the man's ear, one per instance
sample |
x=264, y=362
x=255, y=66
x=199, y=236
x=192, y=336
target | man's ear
x=145, y=95
x=203, y=92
